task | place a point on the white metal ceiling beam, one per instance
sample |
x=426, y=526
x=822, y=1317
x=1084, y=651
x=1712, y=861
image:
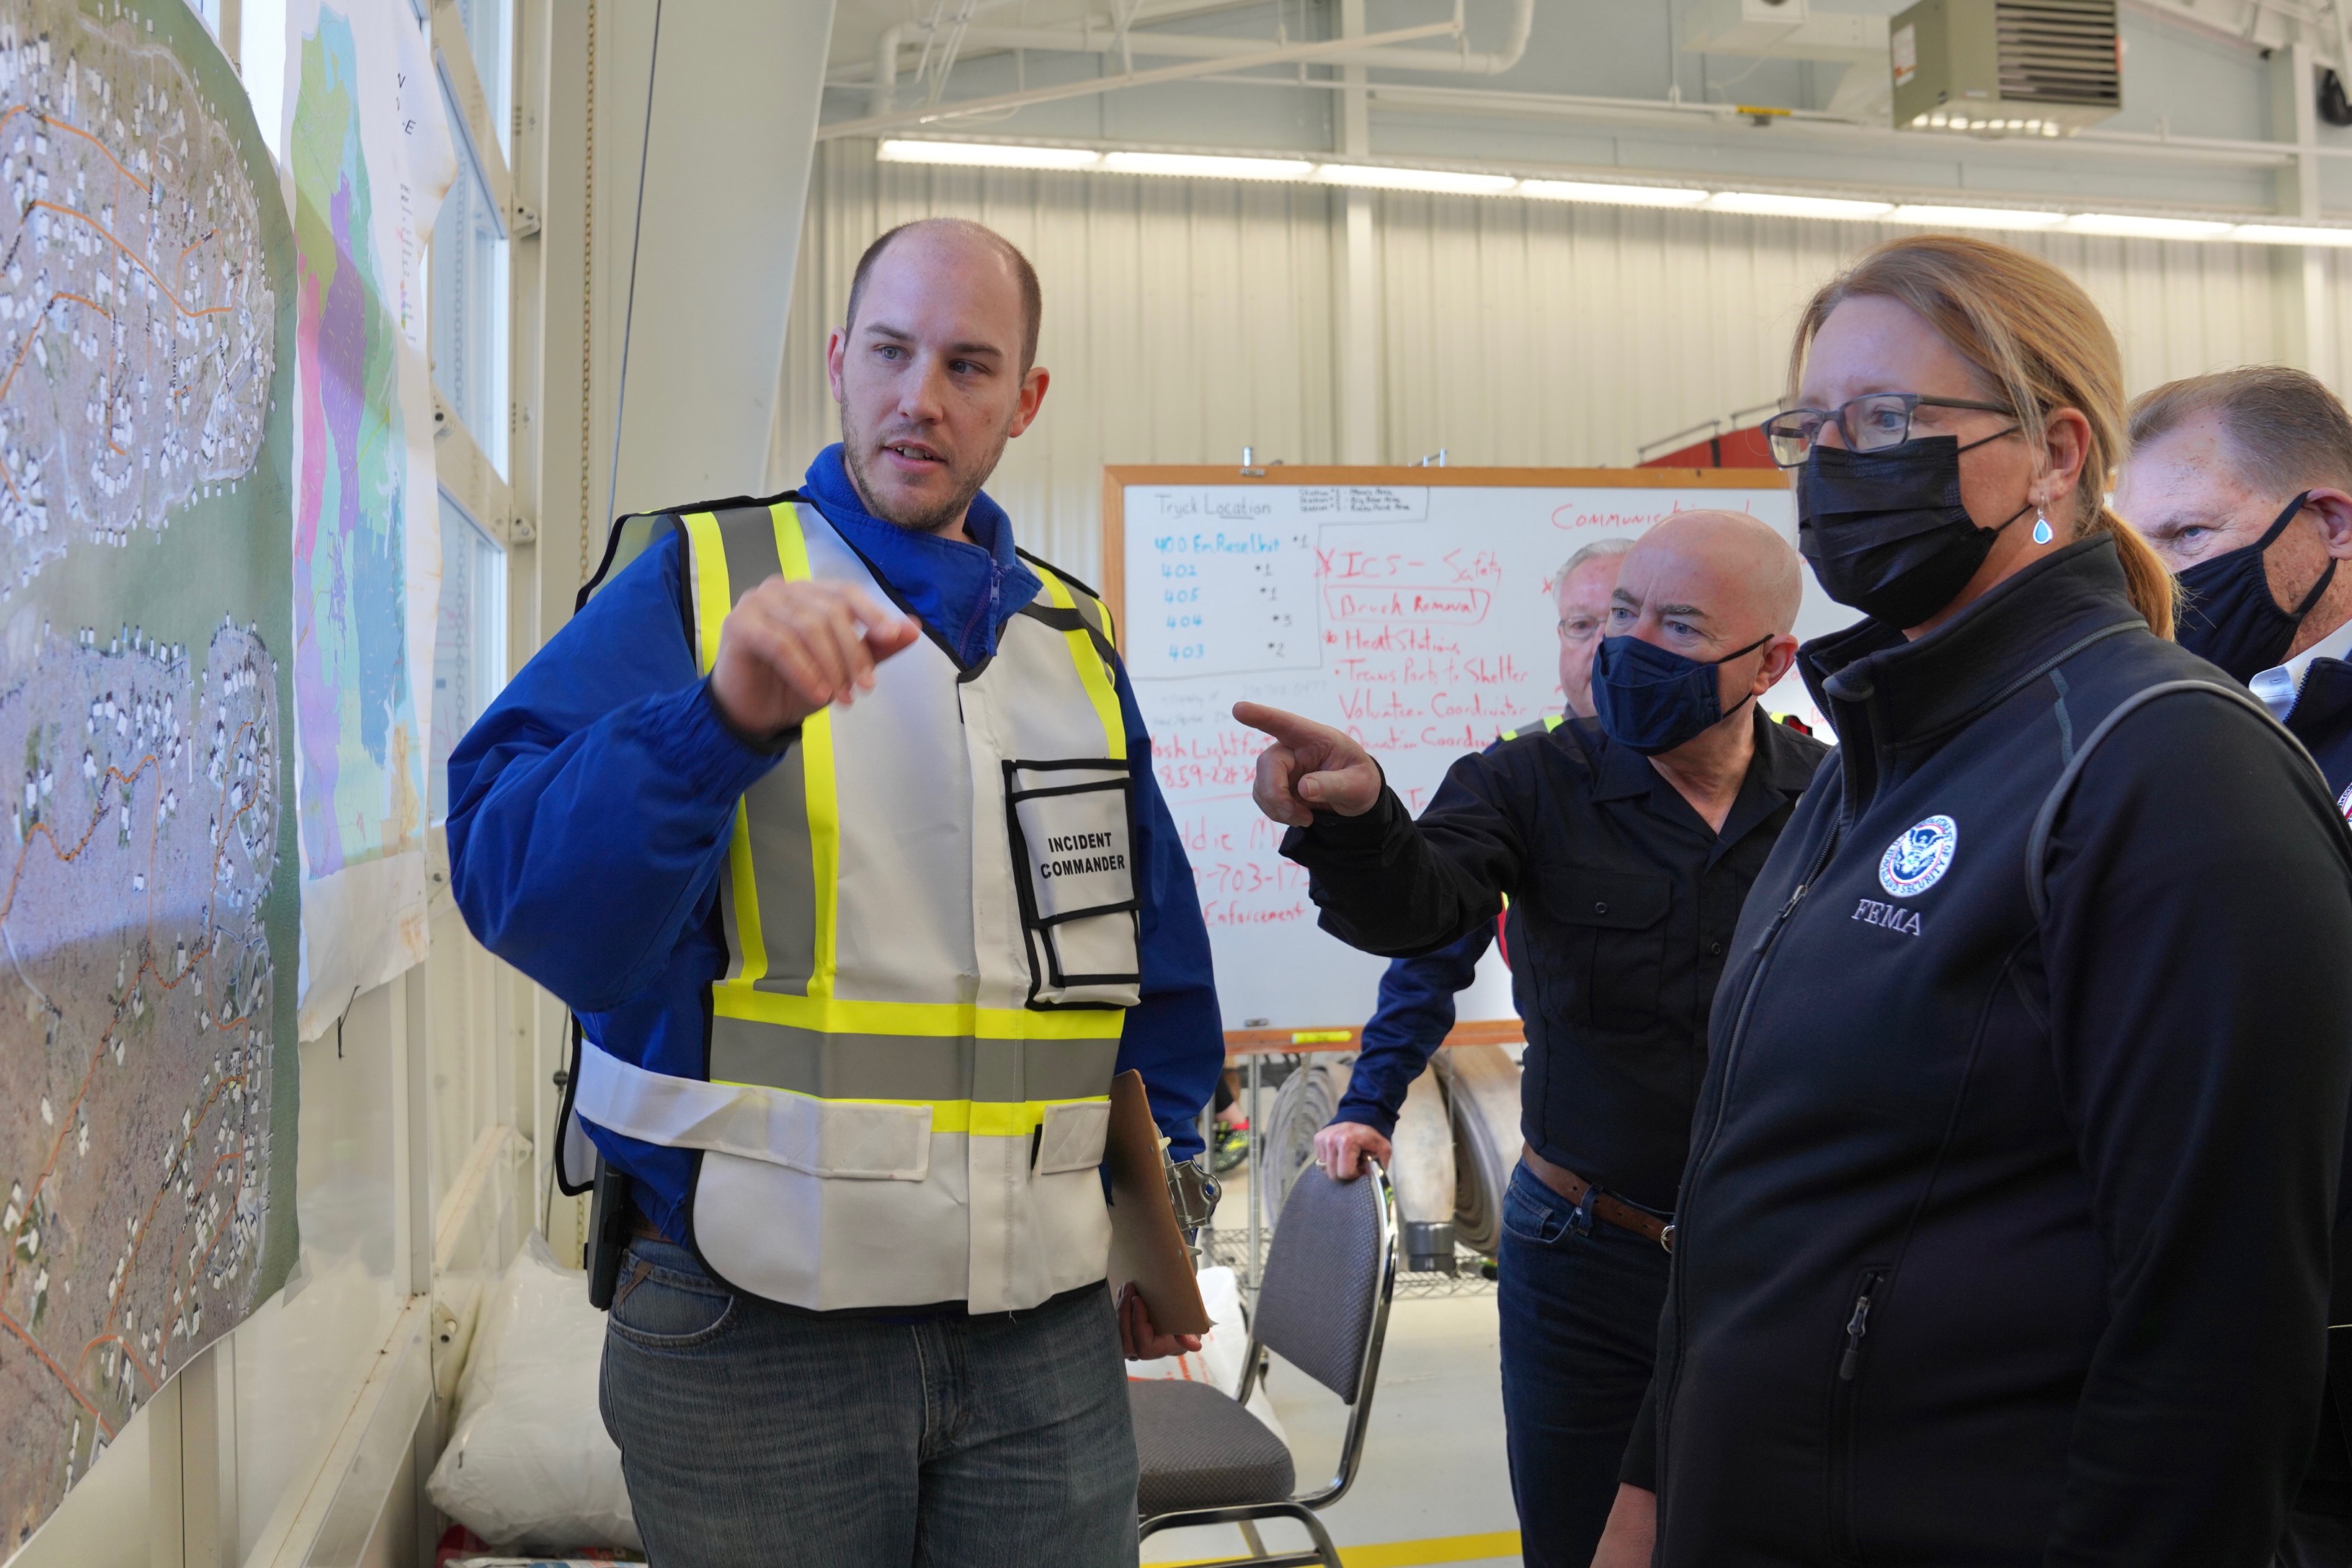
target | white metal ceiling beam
x=1085, y=39
x=1292, y=54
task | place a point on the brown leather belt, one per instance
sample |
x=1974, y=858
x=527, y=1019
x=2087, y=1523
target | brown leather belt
x=1574, y=1188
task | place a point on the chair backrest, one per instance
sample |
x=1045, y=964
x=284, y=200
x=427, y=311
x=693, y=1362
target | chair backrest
x=1328, y=1274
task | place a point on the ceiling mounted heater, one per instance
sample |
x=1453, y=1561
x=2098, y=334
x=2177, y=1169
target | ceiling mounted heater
x=2023, y=68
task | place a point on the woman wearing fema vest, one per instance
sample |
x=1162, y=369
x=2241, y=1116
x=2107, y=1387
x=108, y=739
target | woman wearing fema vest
x=2004, y=1237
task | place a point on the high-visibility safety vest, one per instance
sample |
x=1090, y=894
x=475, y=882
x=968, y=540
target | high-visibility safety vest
x=931, y=930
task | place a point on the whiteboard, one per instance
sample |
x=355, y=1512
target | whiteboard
x=1411, y=607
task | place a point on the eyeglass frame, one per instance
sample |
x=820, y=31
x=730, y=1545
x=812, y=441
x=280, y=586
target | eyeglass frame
x=1912, y=403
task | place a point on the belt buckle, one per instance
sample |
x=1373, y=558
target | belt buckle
x=1666, y=1238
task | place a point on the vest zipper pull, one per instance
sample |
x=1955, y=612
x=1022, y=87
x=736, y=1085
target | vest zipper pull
x=1781, y=919
x=1855, y=1328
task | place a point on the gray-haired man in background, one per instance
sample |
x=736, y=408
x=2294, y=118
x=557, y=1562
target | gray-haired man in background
x=2243, y=482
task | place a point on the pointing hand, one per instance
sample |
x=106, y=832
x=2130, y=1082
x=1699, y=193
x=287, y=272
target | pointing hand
x=788, y=650
x=1310, y=767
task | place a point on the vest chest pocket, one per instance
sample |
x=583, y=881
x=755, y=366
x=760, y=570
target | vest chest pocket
x=849, y=1139
x=1073, y=834
x=1611, y=926
x=1072, y=1136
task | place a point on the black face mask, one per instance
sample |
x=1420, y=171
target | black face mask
x=2230, y=618
x=1651, y=699
x=1886, y=531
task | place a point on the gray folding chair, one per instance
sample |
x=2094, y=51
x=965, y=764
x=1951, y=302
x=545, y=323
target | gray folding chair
x=1324, y=1308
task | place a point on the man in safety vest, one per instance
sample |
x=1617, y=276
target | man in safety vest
x=834, y=819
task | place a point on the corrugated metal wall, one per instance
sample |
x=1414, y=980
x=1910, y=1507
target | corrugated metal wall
x=1186, y=318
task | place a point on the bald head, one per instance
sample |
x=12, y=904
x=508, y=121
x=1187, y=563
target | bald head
x=1725, y=572
x=955, y=244
x=1718, y=588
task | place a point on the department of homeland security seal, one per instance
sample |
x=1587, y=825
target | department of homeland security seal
x=1917, y=861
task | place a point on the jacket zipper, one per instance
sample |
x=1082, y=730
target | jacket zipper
x=1855, y=1328
x=1763, y=951
x=1842, y=1396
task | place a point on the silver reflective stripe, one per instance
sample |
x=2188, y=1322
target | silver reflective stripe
x=776, y=807
x=907, y=1066
x=856, y=1139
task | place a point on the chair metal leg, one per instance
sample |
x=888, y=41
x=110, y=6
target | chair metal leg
x=1322, y=1552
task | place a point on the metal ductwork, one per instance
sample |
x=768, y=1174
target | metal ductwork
x=1421, y=1166
x=1457, y=1142
x=1482, y=1097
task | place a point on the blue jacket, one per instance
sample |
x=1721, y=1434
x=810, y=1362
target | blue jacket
x=590, y=808
x=1414, y=1016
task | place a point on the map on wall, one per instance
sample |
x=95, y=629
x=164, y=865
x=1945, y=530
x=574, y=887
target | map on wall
x=147, y=909
x=368, y=160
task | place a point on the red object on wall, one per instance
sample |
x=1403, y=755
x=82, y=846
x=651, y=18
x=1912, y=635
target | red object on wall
x=1741, y=448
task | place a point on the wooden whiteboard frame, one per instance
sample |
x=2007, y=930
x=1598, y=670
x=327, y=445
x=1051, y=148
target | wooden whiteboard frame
x=1118, y=476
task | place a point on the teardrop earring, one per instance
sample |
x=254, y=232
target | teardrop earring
x=2042, y=535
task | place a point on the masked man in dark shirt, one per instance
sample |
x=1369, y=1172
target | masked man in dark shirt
x=2243, y=482
x=1626, y=855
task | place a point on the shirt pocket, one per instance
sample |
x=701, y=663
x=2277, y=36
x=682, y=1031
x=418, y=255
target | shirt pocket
x=1609, y=928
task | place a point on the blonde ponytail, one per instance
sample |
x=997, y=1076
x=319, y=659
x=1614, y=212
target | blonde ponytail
x=2034, y=336
x=2155, y=593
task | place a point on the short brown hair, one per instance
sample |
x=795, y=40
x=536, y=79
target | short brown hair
x=2037, y=341
x=2287, y=432
x=1024, y=277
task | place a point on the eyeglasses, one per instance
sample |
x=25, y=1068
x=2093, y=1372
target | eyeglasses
x=1870, y=423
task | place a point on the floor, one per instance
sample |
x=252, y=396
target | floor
x=1434, y=1486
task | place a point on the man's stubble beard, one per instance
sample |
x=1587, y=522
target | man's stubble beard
x=930, y=519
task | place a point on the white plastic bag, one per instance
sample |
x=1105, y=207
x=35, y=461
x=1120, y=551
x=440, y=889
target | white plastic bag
x=1218, y=1361
x=530, y=1464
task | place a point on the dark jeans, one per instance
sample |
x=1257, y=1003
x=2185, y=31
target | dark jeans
x=755, y=1437
x=1580, y=1326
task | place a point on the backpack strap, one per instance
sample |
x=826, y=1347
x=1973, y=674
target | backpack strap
x=2037, y=843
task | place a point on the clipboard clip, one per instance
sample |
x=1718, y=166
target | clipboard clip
x=1192, y=1193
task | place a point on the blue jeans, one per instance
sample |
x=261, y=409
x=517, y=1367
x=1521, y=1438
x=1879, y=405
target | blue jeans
x=1579, y=1329
x=756, y=1437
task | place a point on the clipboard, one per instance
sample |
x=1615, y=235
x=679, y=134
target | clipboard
x=1145, y=1245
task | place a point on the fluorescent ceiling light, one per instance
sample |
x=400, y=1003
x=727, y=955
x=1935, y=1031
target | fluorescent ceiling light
x=1623, y=195
x=2130, y=225
x=1206, y=166
x=2290, y=234
x=1446, y=182
x=989, y=155
x=1976, y=218
x=1766, y=205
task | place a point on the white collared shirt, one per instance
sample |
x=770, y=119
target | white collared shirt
x=2278, y=686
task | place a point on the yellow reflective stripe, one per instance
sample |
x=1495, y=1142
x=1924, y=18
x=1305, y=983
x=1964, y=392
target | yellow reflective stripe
x=1092, y=673
x=711, y=598
x=1551, y=721
x=983, y=1118
x=820, y=789
x=833, y=1016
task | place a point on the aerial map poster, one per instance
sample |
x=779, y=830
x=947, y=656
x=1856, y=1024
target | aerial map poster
x=368, y=160
x=148, y=912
